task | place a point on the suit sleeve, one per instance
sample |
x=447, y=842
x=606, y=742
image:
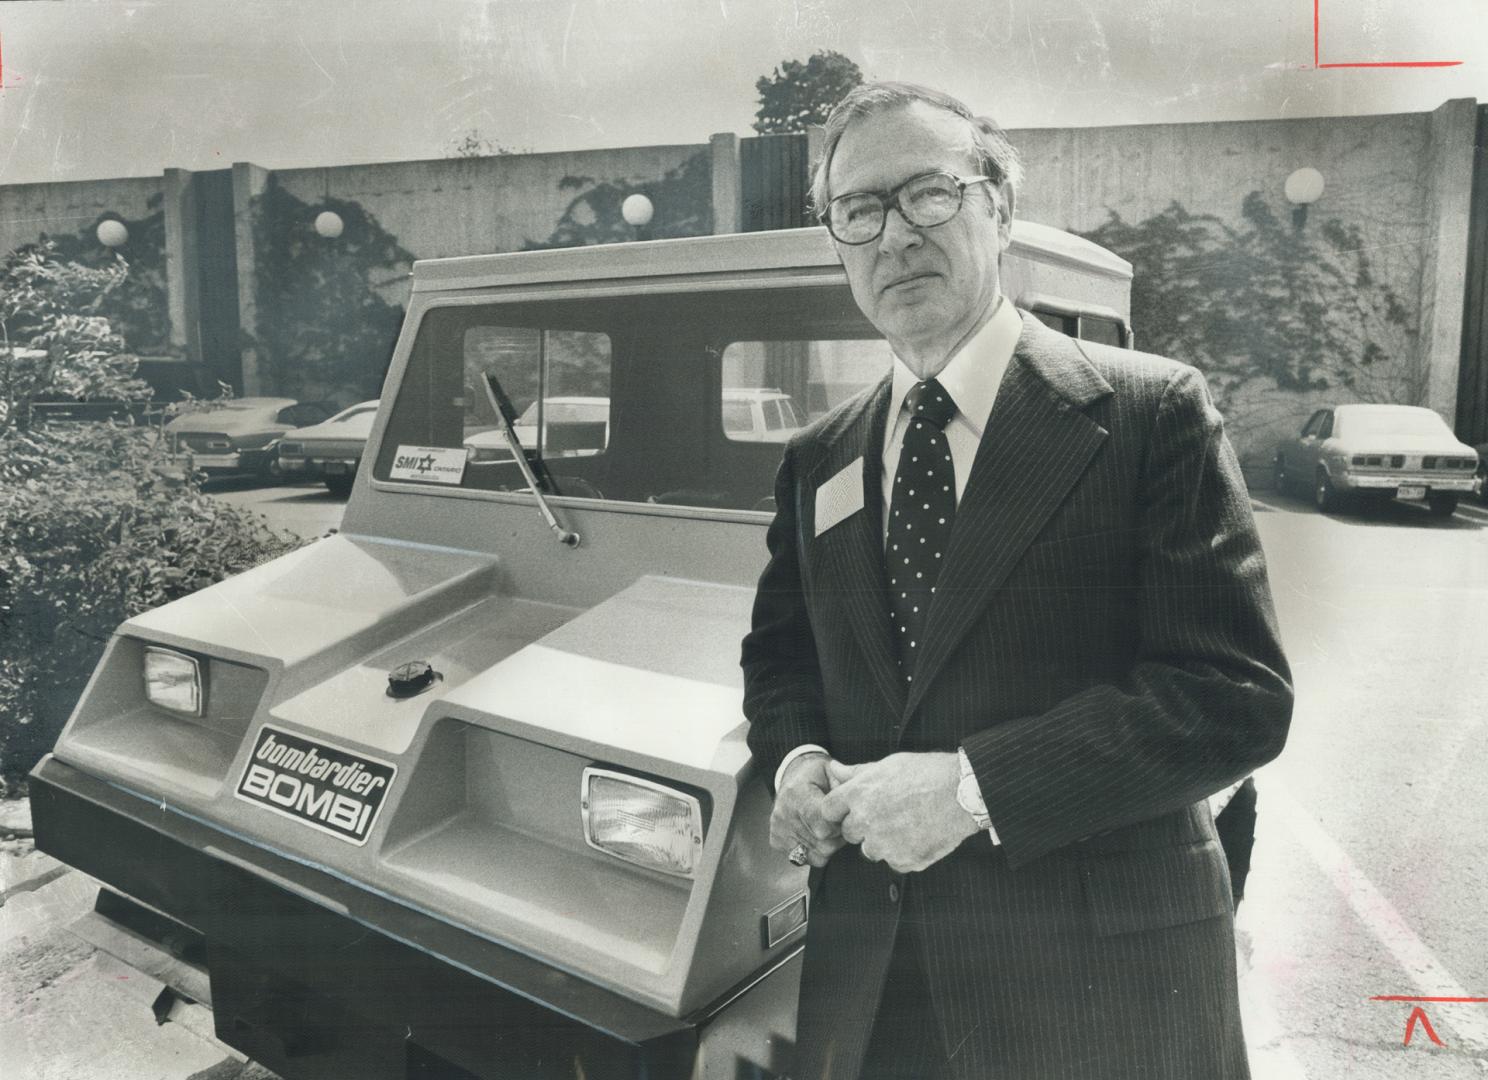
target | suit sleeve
x=1208, y=698
x=782, y=681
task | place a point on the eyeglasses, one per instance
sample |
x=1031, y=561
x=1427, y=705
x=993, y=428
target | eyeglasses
x=925, y=201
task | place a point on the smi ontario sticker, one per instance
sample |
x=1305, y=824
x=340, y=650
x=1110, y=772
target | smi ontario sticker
x=329, y=789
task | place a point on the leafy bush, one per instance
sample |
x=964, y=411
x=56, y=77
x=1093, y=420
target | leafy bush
x=96, y=525
x=96, y=528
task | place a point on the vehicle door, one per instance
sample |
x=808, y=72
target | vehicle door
x=1293, y=450
x=1310, y=445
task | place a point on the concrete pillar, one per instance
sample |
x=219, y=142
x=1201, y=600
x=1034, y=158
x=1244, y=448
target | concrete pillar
x=1446, y=172
x=181, y=277
x=727, y=189
x=248, y=182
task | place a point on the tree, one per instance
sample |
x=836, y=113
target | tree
x=472, y=144
x=136, y=307
x=96, y=524
x=682, y=198
x=797, y=96
x=1268, y=309
x=325, y=325
x=54, y=344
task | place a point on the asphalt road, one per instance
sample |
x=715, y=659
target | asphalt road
x=1371, y=863
x=307, y=510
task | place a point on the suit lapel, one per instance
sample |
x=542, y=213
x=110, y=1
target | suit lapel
x=849, y=556
x=1036, y=444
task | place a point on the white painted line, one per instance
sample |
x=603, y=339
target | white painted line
x=1432, y=979
x=1264, y=504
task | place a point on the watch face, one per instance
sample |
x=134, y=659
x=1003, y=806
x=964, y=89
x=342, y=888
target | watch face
x=967, y=795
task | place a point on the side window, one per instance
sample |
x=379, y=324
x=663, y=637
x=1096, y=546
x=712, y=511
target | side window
x=1314, y=423
x=1327, y=426
x=794, y=382
x=1065, y=324
x=1101, y=331
x=302, y=415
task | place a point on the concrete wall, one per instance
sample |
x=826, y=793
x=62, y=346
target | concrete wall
x=1401, y=180
x=467, y=206
x=28, y=210
x=320, y=314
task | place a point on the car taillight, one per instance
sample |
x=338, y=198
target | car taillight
x=641, y=821
x=173, y=680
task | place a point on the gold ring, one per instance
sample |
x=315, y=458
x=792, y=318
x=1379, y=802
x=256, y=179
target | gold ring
x=797, y=855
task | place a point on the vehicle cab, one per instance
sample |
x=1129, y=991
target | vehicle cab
x=465, y=786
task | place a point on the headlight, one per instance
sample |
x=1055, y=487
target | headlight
x=641, y=822
x=173, y=680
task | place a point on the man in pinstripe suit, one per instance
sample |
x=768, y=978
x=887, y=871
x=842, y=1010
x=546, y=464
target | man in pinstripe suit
x=993, y=716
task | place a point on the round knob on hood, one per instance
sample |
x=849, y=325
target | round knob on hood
x=411, y=678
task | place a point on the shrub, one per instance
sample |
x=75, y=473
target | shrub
x=96, y=525
x=96, y=528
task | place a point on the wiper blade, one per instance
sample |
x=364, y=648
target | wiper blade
x=507, y=414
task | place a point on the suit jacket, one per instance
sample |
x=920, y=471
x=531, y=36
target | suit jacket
x=1102, y=643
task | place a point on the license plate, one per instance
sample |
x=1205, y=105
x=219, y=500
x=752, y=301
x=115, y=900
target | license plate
x=324, y=787
x=335, y=468
x=1411, y=491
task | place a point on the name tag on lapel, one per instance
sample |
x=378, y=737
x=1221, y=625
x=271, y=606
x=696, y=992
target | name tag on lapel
x=840, y=497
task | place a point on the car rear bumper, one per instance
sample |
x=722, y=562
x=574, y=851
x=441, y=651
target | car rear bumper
x=314, y=976
x=230, y=462
x=1430, y=481
x=233, y=462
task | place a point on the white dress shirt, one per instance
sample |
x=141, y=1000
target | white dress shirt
x=972, y=377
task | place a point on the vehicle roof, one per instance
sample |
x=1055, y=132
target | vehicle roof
x=805, y=250
x=261, y=402
x=1381, y=407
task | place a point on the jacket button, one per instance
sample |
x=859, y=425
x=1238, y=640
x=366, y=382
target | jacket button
x=894, y=894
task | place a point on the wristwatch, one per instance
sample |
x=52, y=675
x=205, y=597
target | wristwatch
x=969, y=793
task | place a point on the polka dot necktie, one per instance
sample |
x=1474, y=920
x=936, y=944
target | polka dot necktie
x=921, y=511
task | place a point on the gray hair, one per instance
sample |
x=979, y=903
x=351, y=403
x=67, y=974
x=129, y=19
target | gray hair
x=985, y=143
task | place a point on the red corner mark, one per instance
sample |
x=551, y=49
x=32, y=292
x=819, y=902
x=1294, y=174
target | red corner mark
x=1418, y=1014
x=1316, y=62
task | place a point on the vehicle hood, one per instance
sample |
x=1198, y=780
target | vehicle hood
x=358, y=427
x=228, y=420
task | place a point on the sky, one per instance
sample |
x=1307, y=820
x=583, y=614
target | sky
x=104, y=88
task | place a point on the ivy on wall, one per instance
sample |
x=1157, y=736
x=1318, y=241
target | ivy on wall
x=136, y=308
x=682, y=198
x=324, y=329
x=1271, y=305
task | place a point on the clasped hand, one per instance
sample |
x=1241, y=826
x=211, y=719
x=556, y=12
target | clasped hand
x=901, y=810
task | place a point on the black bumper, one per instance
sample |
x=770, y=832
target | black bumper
x=317, y=978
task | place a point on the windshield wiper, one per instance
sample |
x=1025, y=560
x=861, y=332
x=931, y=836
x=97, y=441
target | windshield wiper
x=508, y=417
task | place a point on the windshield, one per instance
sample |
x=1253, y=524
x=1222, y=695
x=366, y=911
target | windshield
x=681, y=399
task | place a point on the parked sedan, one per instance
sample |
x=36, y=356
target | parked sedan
x=240, y=435
x=1377, y=452
x=330, y=451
